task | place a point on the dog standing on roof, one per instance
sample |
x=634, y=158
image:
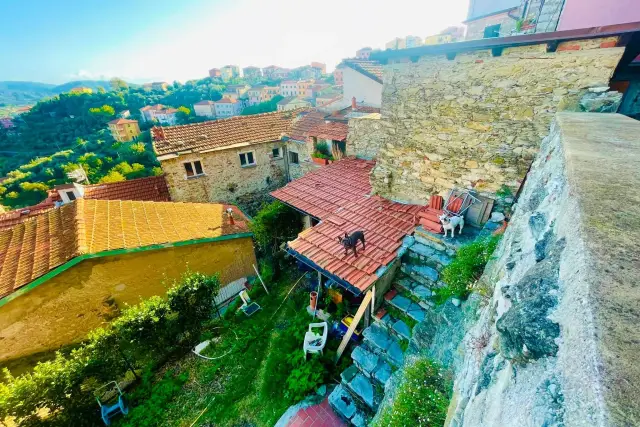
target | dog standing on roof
x=451, y=224
x=350, y=242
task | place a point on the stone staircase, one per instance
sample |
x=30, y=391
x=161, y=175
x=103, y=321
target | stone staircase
x=381, y=352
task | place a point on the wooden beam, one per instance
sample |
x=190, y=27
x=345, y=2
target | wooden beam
x=356, y=319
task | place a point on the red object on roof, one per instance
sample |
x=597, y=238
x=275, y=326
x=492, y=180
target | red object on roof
x=430, y=217
x=321, y=192
x=338, y=194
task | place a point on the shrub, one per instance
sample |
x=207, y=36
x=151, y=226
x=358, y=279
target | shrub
x=466, y=268
x=323, y=148
x=144, y=336
x=422, y=398
x=274, y=224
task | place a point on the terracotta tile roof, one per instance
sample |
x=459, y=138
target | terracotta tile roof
x=304, y=124
x=34, y=247
x=153, y=188
x=339, y=195
x=384, y=223
x=321, y=192
x=253, y=129
x=204, y=103
x=121, y=121
x=226, y=101
x=371, y=69
x=333, y=130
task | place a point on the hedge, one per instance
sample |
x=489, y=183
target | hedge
x=144, y=336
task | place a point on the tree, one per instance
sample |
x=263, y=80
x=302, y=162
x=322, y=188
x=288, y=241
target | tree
x=118, y=84
x=113, y=176
x=183, y=115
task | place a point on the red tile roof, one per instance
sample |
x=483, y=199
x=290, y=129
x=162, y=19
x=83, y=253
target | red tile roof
x=321, y=192
x=253, y=129
x=121, y=121
x=226, y=101
x=371, y=69
x=338, y=194
x=333, y=130
x=304, y=124
x=384, y=224
x=153, y=188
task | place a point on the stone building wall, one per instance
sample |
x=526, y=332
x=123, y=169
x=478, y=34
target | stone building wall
x=365, y=136
x=477, y=121
x=224, y=178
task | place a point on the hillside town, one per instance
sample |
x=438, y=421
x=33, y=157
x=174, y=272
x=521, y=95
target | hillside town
x=441, y=231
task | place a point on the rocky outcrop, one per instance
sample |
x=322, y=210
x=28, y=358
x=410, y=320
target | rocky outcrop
x=556, y=343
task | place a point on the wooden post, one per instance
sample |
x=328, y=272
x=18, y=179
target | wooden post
x=356, y=319
x=263, y=285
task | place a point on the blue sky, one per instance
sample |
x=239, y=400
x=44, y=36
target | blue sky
x=55, y=41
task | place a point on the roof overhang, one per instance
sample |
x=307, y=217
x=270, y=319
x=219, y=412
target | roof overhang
x=306, y=261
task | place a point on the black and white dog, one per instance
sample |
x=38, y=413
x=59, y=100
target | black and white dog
x=350, y=242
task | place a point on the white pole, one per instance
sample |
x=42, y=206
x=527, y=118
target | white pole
x=261, y=281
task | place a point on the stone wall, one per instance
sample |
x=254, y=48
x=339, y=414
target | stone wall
x=66, y=307
x=224, y=178
x=365, y=137
x=305, y=165
x=556, y=338
x=477, y=121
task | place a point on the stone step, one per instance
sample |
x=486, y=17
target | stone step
x=363, y=389
x=425, y=255
x=416, y=290
x=449, y=245
x=408, y=307
x=426, y=275
x=395, y=327
x=347, y=407
x=384, y=345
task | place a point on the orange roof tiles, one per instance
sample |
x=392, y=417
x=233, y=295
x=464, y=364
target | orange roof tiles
x=305, y=124
x=40, y=244
x=321, y=192
x=256, y=128
x=153, y=188
x=338, y=194
x=333, y=130
x=121, y=121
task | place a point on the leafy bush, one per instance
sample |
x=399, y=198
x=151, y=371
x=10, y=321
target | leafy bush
x=149, y=399
x=422, y=398
x=466, y=268
x=144, y=336
x=274, y=224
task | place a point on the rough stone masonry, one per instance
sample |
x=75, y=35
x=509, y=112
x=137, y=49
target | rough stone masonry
x=560, y=336
x=477, y=121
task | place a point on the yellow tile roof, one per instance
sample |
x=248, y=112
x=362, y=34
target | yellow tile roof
x=36, y=246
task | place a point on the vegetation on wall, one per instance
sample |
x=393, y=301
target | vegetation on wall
x=275, y=224
x=422, y=398
x=466, y=268
x=144, y=336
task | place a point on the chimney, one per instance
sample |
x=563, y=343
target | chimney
x=353, y=103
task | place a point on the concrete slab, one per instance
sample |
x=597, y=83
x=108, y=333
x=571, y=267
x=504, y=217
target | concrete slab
x=416, y=312
x=362, y=387
x=348, y=374
x=401, y=303
x=377, y=337
x=343, y=403
x=422, y=292
x=402, y=329
x=366, y=360
x=382, y=373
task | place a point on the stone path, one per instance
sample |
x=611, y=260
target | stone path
x=320, y=415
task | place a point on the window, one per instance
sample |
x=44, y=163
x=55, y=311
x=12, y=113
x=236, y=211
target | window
x=247, y=159
x=293, y=157
x=71, y=195
x=276, y=153
x=193, y=169
x=492, y=31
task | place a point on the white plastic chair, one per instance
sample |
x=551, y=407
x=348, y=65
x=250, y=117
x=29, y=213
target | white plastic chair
x=247, y=306
x=313, y=342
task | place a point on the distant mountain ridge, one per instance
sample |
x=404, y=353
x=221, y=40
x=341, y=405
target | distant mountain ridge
x=27, y=93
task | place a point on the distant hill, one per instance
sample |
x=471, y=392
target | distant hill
x=26, y=93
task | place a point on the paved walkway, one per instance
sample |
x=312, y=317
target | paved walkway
x=320, y=415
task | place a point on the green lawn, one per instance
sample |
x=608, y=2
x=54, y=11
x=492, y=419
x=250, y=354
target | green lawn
x=252, y=384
